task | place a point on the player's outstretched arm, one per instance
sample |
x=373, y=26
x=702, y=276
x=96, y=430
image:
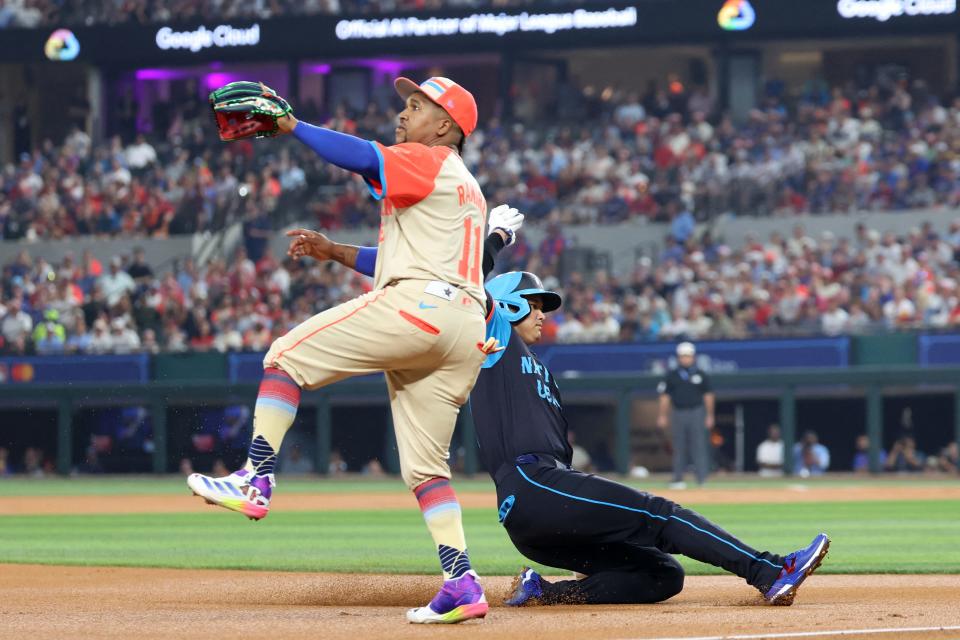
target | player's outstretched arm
x=504, y=222
x=316, y=245
x=346, y=151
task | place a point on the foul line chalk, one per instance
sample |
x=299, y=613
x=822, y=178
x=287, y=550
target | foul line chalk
x=815, y=634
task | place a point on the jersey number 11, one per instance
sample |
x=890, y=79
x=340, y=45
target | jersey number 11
x=471, y=248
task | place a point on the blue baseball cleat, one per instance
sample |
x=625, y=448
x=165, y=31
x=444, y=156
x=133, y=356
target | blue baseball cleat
x=796, y=567
x=526, y=586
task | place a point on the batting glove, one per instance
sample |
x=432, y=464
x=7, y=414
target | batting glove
x=506, y=219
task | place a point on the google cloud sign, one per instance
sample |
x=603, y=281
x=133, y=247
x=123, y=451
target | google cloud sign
x=62, y=46
x=736, y=15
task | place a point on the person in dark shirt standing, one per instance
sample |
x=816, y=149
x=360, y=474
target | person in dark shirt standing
x=257, y=231
x=686, y=389
x=139, y=270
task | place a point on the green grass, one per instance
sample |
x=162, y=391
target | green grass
x=869, y=537
x=168, y=485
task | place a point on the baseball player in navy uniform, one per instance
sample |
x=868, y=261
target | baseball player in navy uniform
x=620, y=539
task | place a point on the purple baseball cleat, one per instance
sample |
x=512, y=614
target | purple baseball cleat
x=796, y=567
x=526, y=587
x=240, y=491
x=458, y=600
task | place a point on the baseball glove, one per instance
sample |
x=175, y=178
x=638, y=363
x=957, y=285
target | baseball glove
x=247, y=110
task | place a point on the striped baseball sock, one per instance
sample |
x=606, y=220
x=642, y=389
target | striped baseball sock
x=441, y=511
x=276, y=408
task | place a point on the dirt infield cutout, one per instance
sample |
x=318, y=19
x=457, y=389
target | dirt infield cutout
x=41, y=602
x=49, y=602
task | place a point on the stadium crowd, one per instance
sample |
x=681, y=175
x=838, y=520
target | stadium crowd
x=596, y=157
x=699, y=288
x=142, y=189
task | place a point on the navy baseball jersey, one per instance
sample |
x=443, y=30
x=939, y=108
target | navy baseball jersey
x=516, y=403
x=621, y=539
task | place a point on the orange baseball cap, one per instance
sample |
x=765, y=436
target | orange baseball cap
x=448, y=95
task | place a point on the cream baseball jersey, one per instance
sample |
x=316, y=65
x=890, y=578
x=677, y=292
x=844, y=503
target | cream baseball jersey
x=432, y=218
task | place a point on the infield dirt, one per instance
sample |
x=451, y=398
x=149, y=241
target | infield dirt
x=49, y=602
x=53, y=603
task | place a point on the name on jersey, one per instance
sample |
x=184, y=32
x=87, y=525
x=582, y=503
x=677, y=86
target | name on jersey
x=469, y=193
x=529, y=366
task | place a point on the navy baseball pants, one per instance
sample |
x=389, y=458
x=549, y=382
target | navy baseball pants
x=621, y=538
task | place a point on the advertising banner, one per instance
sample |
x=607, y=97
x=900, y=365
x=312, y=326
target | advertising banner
x=715, y=357
x=938, y=350
x=477, y=30
x=650, y=357
x=127, y=369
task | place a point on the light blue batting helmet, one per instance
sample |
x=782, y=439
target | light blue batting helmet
x=509, y=290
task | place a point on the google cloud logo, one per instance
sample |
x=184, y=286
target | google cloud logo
x=62, y=46
x=736, y=15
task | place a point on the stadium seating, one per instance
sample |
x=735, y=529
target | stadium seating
x=787, y=284
x=885, y=147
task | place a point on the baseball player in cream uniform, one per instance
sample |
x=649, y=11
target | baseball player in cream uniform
x=423, y=324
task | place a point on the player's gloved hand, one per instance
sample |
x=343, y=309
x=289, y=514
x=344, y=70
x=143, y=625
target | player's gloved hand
x=250, y=110
x=506, y=219
x=492, y=345
x=309, y=243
